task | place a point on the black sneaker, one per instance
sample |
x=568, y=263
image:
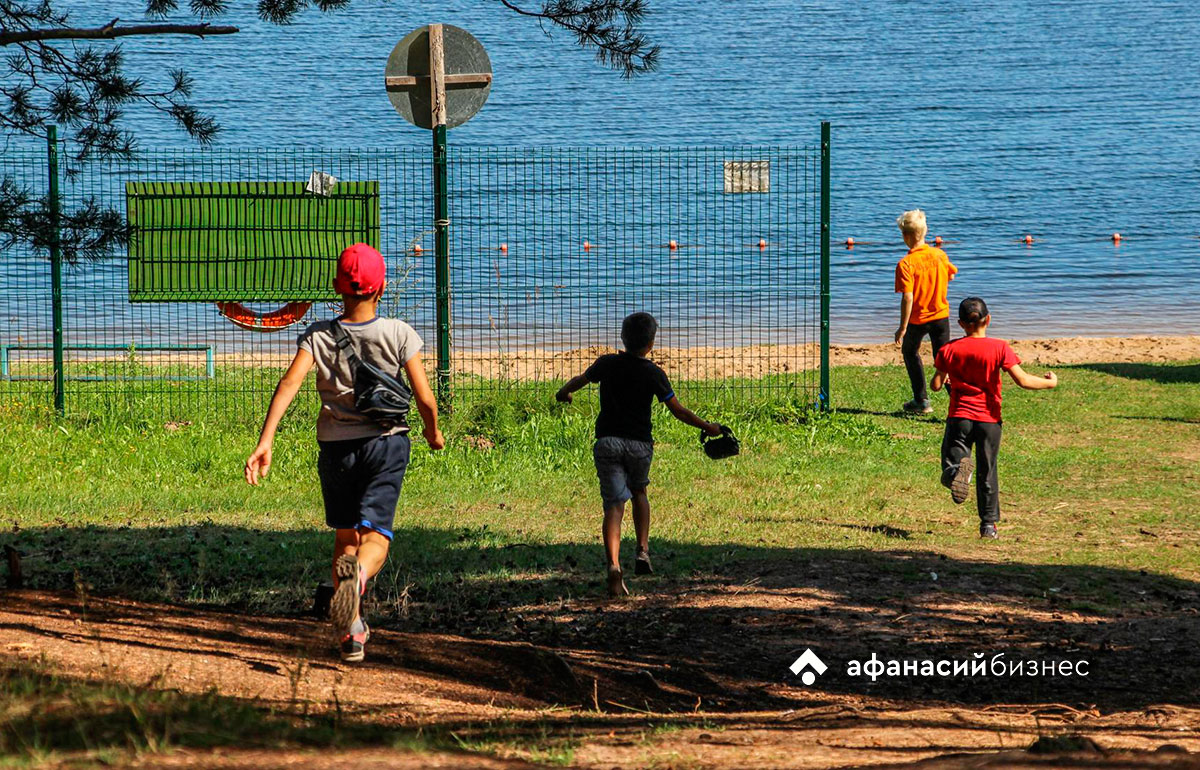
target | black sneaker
x=960, y=485
x=988, y=530
x=345, y=604
x=918, y=407
x=641, y=565
x=616, y=583
x=353, y=645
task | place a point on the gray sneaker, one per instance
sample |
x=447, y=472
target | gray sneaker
x=988, y=531
x=345, y=605
x=918, y=407
x=960, y=486
x=353, y=643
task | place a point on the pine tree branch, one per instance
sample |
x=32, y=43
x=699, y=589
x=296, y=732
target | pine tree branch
x=111, y=31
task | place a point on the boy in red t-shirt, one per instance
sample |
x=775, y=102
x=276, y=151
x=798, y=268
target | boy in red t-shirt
x=970, y=367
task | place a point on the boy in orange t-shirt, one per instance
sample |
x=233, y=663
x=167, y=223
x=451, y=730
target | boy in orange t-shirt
x=922, y=279
x=970, y=368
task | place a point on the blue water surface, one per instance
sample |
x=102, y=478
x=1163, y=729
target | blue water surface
x=1066, y=120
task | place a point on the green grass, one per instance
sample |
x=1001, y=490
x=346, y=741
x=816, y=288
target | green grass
x=1099, y=483
x=1101, y=472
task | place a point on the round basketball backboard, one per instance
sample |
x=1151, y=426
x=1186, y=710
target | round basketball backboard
x=467, y=78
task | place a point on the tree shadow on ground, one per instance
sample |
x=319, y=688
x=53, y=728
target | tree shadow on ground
x=85, y=720
x=1166, y=373
x=899, y=413
x=718, y=625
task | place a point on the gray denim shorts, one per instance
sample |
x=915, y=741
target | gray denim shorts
x=622, y=465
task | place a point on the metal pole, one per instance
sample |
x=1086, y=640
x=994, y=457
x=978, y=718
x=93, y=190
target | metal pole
x=824, y=396
x=441, y=223
x=56, y=293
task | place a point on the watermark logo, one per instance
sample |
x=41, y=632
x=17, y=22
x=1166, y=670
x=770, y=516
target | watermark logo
x=808, y=667
x=808, y=663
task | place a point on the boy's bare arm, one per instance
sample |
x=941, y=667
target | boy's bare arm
x=426, y=403
x=258, y=464
x=1029, y=382
x=938, y=380
x=572, y=385
x=906, y=304
x=688, y=417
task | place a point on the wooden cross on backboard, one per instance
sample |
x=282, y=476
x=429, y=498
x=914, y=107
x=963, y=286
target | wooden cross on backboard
x=437, y=78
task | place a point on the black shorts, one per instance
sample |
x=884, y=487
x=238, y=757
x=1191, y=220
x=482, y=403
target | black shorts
x=361, y=480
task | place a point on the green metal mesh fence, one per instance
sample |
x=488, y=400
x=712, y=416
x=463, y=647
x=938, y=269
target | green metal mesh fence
x=549, y=249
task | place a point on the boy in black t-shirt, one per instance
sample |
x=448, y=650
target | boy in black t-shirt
x=629, y=383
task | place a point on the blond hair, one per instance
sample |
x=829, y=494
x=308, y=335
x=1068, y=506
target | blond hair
x=912, y=222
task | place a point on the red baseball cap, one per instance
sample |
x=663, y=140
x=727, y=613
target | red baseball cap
x=360, y=271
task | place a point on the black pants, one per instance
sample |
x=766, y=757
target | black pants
x=939, y=334
x=961, y=436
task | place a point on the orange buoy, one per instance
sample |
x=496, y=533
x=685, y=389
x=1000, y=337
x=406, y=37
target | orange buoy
x=672, y=245
x=1116, y=237
x=417, y=248
x=1028, y=239
x=937, y=241
x=504, y=247
x=849, y=243
x=587, y=246
x=762, y=243
x=245, y=318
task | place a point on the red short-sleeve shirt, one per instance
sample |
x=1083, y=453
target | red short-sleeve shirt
x=975, y=365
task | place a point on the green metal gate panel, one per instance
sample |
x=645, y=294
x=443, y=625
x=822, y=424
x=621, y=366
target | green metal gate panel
x=242, y=241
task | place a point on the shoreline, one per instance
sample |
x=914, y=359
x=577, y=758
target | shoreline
x=1051, y=351
x=707, y=363
x=754, y=361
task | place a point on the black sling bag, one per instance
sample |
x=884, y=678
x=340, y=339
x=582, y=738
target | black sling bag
x=377, y=394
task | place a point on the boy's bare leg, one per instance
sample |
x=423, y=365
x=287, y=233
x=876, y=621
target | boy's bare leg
x=372, y=551
x=345, y=543
x=641, y=519
x=370, y=547
x=611, y=532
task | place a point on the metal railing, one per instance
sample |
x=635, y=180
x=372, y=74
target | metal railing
x=547, y=250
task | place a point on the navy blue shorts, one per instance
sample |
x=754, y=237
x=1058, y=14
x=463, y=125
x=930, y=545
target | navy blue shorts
x=361, y=480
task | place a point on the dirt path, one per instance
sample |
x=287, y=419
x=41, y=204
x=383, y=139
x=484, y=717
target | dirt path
x=677, y=677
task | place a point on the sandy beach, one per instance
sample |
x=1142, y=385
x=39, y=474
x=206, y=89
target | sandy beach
x=705, y=363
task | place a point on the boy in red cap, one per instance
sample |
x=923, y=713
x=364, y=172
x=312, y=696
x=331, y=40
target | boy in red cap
x=362, y=462
x=970, y=368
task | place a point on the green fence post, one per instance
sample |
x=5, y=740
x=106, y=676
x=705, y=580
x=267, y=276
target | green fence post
x=825, y=402
x=56, y=293
x=441, y=223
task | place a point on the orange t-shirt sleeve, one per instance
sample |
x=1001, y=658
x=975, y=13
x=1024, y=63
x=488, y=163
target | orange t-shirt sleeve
x=950, y=266
x=904, y=277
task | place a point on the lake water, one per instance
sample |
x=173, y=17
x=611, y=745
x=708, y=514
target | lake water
x=1066, y=120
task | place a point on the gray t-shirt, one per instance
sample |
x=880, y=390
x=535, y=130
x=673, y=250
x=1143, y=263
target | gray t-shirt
x=386, y=342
